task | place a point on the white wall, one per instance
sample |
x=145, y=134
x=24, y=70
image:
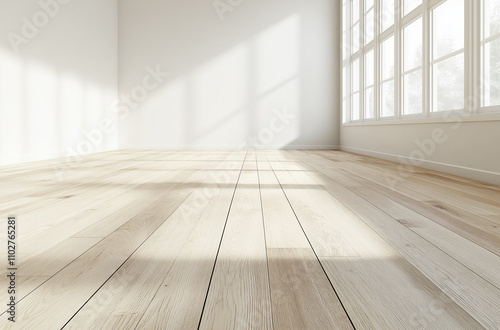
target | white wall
x=229, y=73
x=470, y=149
x=58, y=80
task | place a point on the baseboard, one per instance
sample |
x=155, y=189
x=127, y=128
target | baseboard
x=22, y=159
x=267, y=147
x=467, y=172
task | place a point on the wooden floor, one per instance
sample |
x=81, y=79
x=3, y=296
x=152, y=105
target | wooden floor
x=250, y=240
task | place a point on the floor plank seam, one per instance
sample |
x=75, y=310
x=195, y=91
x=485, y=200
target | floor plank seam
x=420, y=213
x=418, y=254
x=416, y=233
x=60, y=270
x=69, y=263
x=394, y=247
x=409, y=173
x=265, y=244
x=121, y=265
x=413, y=231
x=166, y=275
x=315, y=254
x=220, y=242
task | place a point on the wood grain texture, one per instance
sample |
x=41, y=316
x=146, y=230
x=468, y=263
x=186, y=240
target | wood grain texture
x=377, y=265
x=282, y=228
x=239, y=296
x=158, y=274
x=258, y=239
x=52, y=304
x=302, y=297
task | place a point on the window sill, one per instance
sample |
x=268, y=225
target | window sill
x=483, y=117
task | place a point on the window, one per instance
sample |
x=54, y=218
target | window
x=412, y=68
x=345, y=66
x=345, y=107
x=420, y=58
x=490, y=53
x=369, y=21
x=409, y=5
x=357, y=19
x=387, y=14
x=388, y=78
x=344, y=94
x=355, y=90
x=369, y=60
x=355, y=26
x=447, y=64
x=370, y=85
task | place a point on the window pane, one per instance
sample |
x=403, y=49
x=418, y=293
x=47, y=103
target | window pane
x=448, y=28
x=388, y=99
x=388, y=58
x=491, y=73
x=448, y=84
x=355, y=38
x=344, y=111
x=409, y=5
x=387, y=14
x=345, y=46
x=355, y=106
x=344, y=17
x=369, y=68
x=355, y=76
x=355, y=11
x=344, y=82
x=368, y=4
x=370, y=103
x=412, y=84
x=369, y=26
x=491, y=18
x=413, y=51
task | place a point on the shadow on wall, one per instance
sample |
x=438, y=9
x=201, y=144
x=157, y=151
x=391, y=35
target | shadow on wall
x=251, y=74
x=58, y=76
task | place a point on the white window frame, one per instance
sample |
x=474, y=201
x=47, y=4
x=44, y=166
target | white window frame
x=480, y=69
x=473, y=103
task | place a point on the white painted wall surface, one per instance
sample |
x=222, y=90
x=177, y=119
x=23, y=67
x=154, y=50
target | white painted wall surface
x=230, y=71
x=470, y=149
x=58, y=77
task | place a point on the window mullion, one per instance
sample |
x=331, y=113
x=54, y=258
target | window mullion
x=447, y=56
x=490, y=38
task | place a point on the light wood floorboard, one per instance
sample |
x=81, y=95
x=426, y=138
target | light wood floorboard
x=274, y=239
